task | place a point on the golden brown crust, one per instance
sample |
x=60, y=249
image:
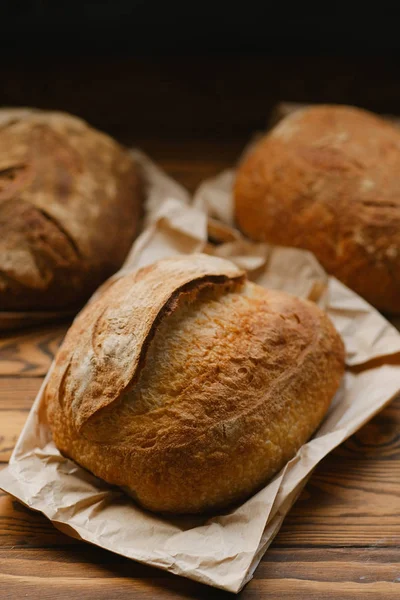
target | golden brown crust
x=101, y=353
x=69, y=207
x=326, y=178
x=234, y=380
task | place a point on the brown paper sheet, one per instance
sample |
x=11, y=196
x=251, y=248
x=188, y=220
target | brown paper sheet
x=224, y=550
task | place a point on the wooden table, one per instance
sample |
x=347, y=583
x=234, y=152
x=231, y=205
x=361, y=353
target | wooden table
x=340, y=541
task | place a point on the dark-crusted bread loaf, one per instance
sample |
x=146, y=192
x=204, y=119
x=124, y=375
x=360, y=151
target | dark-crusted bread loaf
x=69, y=208
x=327, y=178
x=190, y=386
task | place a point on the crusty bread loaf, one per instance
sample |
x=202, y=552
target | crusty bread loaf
x=190, y=386
x=69, y=208
x=327, y=178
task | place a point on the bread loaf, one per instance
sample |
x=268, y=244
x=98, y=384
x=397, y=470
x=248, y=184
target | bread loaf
x=69, y=208
x=190, y=386
x=327, y=179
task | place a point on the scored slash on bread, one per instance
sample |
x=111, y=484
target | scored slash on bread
x=190, y=386
x=69, y=209
x=103, y=349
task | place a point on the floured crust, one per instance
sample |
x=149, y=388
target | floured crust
x=101, y=352
x=207, y=398
x=69, y=207
x=326, y=179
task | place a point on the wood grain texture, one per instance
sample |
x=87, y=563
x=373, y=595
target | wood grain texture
x=353, y=498
x=29, y=353
x=343, y=574
x=15, y=421
x=16, y=398
x=18, y=393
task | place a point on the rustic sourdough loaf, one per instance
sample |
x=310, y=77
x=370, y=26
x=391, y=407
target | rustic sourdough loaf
x=69, y=207
x=327, y=178
x=190, y=386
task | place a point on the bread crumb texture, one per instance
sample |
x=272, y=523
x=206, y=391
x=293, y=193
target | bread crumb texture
x=327, y=179
x=229, y=381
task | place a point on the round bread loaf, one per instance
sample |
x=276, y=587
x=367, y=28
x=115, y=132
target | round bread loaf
x=189, y=386
x=69, y=208
x=327, y=179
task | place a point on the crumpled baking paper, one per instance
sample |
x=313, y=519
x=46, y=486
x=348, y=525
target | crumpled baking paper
x=223, y=550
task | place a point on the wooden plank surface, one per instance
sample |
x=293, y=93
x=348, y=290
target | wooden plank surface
x=341, y=540
x=29, y=352
x=92, y=573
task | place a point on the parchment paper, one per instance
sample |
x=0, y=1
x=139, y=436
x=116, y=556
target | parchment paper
x=224, y=550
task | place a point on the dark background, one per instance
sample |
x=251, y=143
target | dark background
x=149, y=26
x=194, y=70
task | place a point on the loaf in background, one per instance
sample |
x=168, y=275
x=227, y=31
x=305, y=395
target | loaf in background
x=327, y=178
x=69, y=208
